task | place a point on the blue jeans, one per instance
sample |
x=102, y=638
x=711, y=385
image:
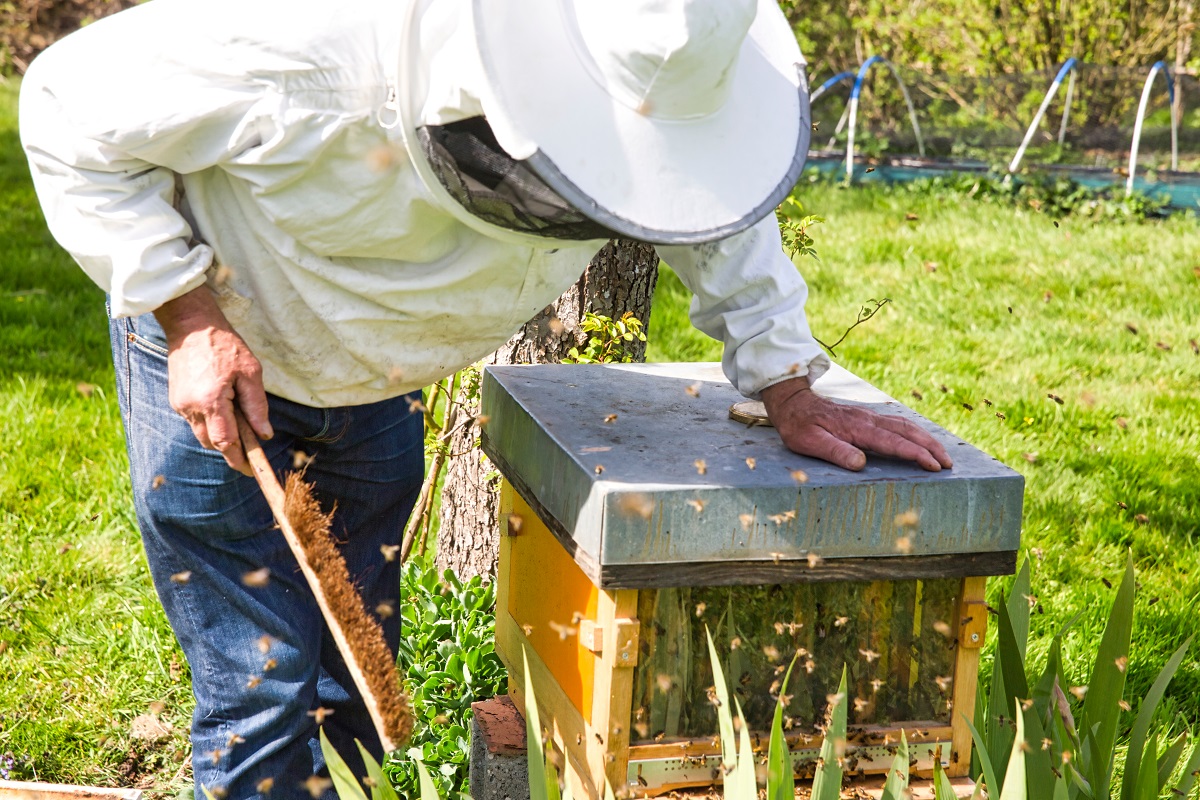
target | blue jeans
x=261, y=657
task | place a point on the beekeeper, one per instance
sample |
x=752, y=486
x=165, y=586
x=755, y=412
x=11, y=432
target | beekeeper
x=310, y=210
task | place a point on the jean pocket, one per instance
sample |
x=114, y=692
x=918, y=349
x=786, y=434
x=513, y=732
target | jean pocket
x=145, y=345
x=146, y=334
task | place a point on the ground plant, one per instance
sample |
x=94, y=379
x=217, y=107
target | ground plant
x=448, y=657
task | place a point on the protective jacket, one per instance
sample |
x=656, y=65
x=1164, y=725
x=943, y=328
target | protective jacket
x=247, y=145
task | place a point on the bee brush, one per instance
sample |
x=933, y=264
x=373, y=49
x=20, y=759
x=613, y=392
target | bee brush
x=358, y=636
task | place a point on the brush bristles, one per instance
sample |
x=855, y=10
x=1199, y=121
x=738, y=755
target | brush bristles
x=362, y=631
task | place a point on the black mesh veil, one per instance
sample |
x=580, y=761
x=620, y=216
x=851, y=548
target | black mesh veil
x=492, y=185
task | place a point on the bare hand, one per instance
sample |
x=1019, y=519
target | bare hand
x=816, y=426
x=209, y=368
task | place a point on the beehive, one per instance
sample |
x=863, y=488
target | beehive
x=636, y=514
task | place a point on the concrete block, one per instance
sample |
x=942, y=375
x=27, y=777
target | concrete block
x=498, y=766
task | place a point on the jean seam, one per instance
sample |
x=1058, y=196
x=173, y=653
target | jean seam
x=128, y=380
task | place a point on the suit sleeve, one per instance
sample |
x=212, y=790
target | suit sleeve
x=110, y=116
x=749, y=295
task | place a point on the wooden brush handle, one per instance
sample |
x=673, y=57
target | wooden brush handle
x=264, y=473
x=260, y=465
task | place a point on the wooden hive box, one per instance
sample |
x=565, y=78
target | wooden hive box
x=636, y=513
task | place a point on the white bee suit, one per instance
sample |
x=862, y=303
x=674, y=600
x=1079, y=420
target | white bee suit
x=256, y=137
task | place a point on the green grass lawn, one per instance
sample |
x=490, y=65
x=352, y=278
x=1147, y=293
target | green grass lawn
x=86, y=648
x=995, y=309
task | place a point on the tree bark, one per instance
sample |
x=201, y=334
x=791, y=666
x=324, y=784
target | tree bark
x=620, y=278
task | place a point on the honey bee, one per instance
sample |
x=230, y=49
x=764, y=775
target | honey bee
x=257, y=579
x=319, y=714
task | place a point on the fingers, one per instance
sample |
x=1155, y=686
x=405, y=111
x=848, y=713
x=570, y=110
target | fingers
x=223, y=433
x=814, y=426
x=918, y=435
x=883, y=441
x=820, y=443
x=252, y=400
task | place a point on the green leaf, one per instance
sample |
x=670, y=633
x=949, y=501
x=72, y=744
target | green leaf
x=1141, y=726
x=743, y=784
x=780, y=780
x=724, y=714
x=1014, y=775
x=1043, y=692
x=1107, y=685
x=894, y=788
x=1169, y=760
x=1184, y=787
x=1018, y=608
x=1146, y=787
x=942, y=788
x=827, y=782
x=1009, y=686
x=382, y=790
x=534, y=748
x=428, y=790
x=551, y=775
x=344, y=782
x=989, y=772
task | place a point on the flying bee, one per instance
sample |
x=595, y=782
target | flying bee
x=869, y=655
x=319, y=714
x=694, y=389
x=751, y=463
x=563, y=631
x=697, y=504
x=701, y=466
x=611, y=418
x=257, y=579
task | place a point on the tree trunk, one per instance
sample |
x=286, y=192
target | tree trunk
x=620, y=278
